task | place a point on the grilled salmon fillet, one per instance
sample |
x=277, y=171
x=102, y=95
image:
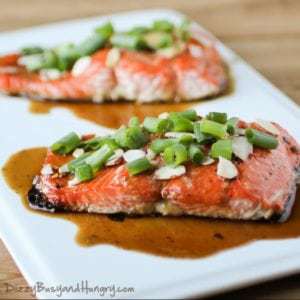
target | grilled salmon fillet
x=264, y=187
x=141, y=76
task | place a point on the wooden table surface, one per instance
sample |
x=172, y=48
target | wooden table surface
x=266, y=33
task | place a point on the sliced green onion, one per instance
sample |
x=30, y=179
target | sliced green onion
x=196, y=154
x=201, y=137
x=156, y=125
x=181, y=124
x=134, y=121
x=83, y=172
x=127, y=41
x=213, y=128
x=105, y=31
x=98, y=142
x=261, y=139
x=139, y=30
x=221, y=148
x=35, y=62
x=66, y=144
x=31, y=50
x=73, y=164
x=67, y=55
x=217, y=117
x=190, y=114
x=132, y=137
x=182, y=31
x=175, y=154
x=163, y=25
x=158, y=40
x=159, y=145
x=138, y=166
x=91, y=44
x=97, y=159
x=186, y=138
x=231, y=125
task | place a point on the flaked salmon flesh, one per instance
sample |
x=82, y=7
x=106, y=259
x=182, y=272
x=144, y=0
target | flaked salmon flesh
x=265, y=188
x=195, y=73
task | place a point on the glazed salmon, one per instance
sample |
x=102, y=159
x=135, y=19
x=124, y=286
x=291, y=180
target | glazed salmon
x=196, y=72
x=264, y=186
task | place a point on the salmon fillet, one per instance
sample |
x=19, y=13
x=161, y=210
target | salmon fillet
x=264, y=188
x=196, y=72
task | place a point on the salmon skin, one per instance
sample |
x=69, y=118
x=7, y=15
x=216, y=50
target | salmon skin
x=196, y=72
x=264, y=188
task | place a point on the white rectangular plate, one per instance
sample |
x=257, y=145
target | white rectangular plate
x=44, y=248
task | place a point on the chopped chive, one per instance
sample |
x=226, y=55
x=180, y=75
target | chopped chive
x=131, y=138
x=201, y=137
x=134, y=121
x=163, y=25
x=181, y=124
x=261, y=139
x=190, y=114
x=83, y=172
x=213, y=128
x=159, y=145
x=195, y=153
x=231, y=125
x=97, y=159
x=175, y=154
x=66, y=144
x=156, y=125
x=217, y=117
x=138, y=166
x=105, y=31
x=221, y=148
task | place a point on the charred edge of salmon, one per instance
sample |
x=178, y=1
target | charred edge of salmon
x=37, y=200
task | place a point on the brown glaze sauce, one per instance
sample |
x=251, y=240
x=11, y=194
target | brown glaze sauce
x=181, y=237
x=111, y=115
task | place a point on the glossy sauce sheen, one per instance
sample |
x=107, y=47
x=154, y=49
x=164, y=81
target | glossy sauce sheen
x=181, y=237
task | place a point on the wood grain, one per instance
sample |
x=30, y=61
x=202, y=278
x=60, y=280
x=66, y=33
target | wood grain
x=266, y=33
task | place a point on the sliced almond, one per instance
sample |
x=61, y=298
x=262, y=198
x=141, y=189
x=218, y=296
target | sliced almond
x=134, y=154
x=241, y=147
x=116, y=158
x=78, y=152
x=63, y=169
x=81, y=65
x=73, y=182
x=113, y=57
x=47, y=170
x=268, y=126
x=207, y=161
x=178, y=135
x=150, y=154
x=168, y=172
x=164, y=115
x=50, y=74
x=226, y=168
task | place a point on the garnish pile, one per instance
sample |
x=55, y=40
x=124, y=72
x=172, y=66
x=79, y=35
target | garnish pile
x=161, y=37
x=165, y=145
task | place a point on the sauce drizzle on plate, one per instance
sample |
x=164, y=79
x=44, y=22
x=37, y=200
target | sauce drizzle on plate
x=180, y=237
